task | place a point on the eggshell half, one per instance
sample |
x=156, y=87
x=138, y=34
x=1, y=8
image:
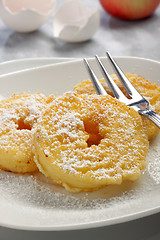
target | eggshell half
x=26, y=15
x=75, y=22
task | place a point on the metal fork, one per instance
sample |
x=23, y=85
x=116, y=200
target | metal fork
x=136, y=100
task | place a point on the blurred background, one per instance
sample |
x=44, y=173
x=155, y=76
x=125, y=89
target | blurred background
x=121, y=37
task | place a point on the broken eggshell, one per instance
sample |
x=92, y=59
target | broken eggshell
x=75, y=22
x=25, y=15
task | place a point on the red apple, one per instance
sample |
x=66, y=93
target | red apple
x=130, y=9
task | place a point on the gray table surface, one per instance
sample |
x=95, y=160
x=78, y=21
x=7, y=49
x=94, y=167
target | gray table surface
x=122, y=38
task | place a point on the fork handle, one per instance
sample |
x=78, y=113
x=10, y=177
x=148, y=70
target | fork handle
x=154, y=117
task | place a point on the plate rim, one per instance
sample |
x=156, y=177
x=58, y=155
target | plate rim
x=46, y=62
x=67, y=58
x=66, y=61
x=88, y=225
x=18, y=60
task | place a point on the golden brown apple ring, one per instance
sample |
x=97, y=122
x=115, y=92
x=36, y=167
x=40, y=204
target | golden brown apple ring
x=18, y=115
x=65, y=153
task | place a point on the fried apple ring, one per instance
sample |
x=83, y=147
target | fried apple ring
x=65, y=153
x=18, y=115
x=149, y=90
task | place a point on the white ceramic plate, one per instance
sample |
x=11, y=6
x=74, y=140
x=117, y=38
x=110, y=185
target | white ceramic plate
x=32, y=202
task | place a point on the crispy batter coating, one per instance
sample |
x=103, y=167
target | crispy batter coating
x=87, y=142
x=149, y=90
x=18, y=116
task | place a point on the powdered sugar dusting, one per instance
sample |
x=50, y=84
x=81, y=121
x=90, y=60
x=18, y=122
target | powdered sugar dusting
x=23, y=106
x=71, y=122
x=67, y=125
x=153, y=166
x=18, y=115
x=40, y=198
x=1, y=97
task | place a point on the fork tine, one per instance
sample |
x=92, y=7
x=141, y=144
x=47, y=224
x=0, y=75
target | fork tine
x=133, y=93
x=97, y=85
x=112, y=85
x=139, y=103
